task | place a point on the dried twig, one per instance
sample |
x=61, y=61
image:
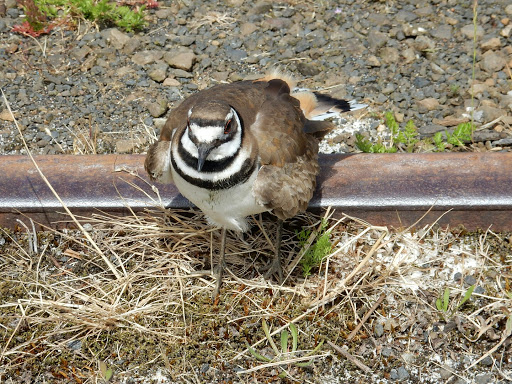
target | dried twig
x=350, y=358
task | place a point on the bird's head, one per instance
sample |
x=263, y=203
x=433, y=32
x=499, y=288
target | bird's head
x=214, y=129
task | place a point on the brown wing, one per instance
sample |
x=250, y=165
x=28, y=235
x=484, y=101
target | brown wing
x=289, y=157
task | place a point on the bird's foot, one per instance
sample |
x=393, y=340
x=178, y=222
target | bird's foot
x=218, y=272
x=273, y=268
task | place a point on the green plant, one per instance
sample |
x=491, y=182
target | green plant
x=285, y=353
x=408, y=136
x=439, y=141
x=463, y=132
x=318, y=251
x=368, y=147
x=44, y=13
x=455, y=89
x=443, y=302
x=106, y=373
x=35, y=22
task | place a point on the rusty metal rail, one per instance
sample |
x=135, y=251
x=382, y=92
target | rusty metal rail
x=385, y=189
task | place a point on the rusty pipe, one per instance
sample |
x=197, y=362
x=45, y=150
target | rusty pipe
x=385, y=189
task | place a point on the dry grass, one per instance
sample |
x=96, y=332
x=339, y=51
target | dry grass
x=213, y=17
x=63, y=310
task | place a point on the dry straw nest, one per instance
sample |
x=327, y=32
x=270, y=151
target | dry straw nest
x=135, y=296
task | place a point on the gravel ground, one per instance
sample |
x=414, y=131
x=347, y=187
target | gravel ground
x=102, y=90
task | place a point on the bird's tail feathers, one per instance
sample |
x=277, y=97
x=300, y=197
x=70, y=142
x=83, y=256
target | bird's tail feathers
x=315, y=106
x=319, y=106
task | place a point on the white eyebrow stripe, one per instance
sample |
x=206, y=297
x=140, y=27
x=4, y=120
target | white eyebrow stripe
x=206, y=134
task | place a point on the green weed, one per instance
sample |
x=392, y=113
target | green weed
x=408, y=136
x=106, y=373
x=368, y=147
x=455, y=89
x=285, y=353
x=463, y=132
x=443, y=302
x=43, y=13
x=317, y=252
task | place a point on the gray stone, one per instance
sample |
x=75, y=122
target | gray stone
x=378, y=330
x=428, y=104
x=492, y=62
x=389, y=55
x=158, y=72
x=420, y=82
x=484, y=378
x=164, y=13
x=181, y=73
x=158, y=108
x=147, y=57
x=424, y=11
x=508, y=9
x=430, y=129
x=424, y=43
x=491, y=113
x=181, y=60
x=443, y=31
x=506, y=100
x=80, y=53
x=131, y=45
x=469, y=30
x=486, y=135
x=408, y=55
x=502, y=142
x=377, y=39
x=248, y=28
x=75, y=345
x=479, y=290
x=470, y=280
x=403, y=374
x=117, y=38
x=491, y=44
x=277, y=23
x=445, y=372
x=236, y=55
x=260, y=8
x=405, y=16
x=308, y=69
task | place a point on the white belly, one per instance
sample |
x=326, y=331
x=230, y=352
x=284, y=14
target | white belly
x=227, y=208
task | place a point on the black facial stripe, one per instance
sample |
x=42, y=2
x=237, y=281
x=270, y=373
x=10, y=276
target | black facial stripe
x=209, y=165
x=208, y=123
x=239, y=177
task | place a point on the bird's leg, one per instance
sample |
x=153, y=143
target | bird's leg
x=222, y=263
x=275, y=266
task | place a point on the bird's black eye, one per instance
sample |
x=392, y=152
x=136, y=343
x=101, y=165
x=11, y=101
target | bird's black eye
x=228, y=126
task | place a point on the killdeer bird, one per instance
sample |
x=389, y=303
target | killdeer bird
x=235, y=150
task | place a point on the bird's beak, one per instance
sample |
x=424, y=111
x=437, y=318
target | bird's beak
x=203, y=150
